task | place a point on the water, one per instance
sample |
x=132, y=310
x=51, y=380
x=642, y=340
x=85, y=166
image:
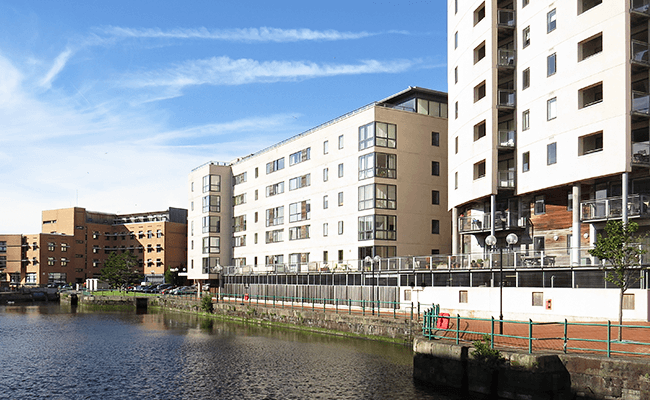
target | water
x=58, y=352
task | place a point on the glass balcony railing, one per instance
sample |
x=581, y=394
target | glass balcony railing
x=641, y=6
x=506, y=98
x=641, y=103
x=507, y=139
x=482, y=223
x=640, y=51
x=507, y=58
x=612, y=207
x=641, y=153
x=506, y=179
x=506, y=18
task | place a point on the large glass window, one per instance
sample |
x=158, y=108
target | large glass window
x=381, y=165
x=378, y=196
x=3, y=247
x=239, y=199
x=212, y=203
x=275, y=165
x=379, y=227
x=211, y=245
x=299, y=211
x=211, y=224
x=299, y=232
x=274, y=189
x=275, y=236
x=299, y=182
x=275, y=259
x=241, y=178
x=378, y=134
x=299, y=156
x=275, y=216
x=551, y=21
x=211, y=183
x=239, y=223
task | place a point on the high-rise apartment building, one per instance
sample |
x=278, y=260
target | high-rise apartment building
x=371, y=182
x=548, y=128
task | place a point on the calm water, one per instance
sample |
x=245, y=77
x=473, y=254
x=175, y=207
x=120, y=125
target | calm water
x=55, y=352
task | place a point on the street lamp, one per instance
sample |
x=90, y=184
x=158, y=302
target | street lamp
x=372, y=261
x=491, y=241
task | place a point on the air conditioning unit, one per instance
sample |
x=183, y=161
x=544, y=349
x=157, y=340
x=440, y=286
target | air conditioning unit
x=522, y=222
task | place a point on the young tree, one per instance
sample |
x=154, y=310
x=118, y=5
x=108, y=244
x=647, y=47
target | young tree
x=121, y=270
x=620, y=247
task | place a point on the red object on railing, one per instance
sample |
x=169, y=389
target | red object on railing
x=246, y=297
x=443, y=321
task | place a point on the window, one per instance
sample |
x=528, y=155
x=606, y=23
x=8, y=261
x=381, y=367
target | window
x=51, y=261
x=51, y=246
x=538, y=299
x=540, y=205
x=325, y=202
x=257, y=172
x=211, y=183
x=628, y=301
x=325, y=229
x=299, y=156
x=479, y=169
x=149, y=234
x=256, y=194
x=590, y=143
x=479, y=91
x=275, y=236
x=255, y=238
x=340, y=170
x=211, y=224
x=525, y=78
x=551, y=109
x=340, y=231
x=479, y=52
x=299, y=211
x=525, y=162
x=325, y=174
x=378, y=134
x=30, y=278
x=340, y=142
x=275, y=260
x=525, y=120
x=479, y=14
x=456, y=180
x=590, y=47
x=340, y=199
x=381, y=165
x=586, y=5
x=241, y=178
x=435, y=227
x=326, y=147
x=239, y=223
x=211, y=203
x=378, y=227
x=456, y=75
x=299, y=182
x=456, y=40
x=64, y=247
x=275, y=165
x=524, y=3
x=456, y=145
x=435, y=139
x=3, y=247
x=525, y=37
x=455, y=6
x=551, y=64
x=551, y=22
x=296, y=259
x=551, y=153
x=435, y=197
x=239, y=199
x=256, y=217
x=456, y=110
x=377, y=196
x=299, y=232
x=3, y=264
x=435, y=168
x=275, y=189
x=65, y=261
x=462, y=296
x=211, y=245
x=479, y=130
x=590, y=95
x=275, y=216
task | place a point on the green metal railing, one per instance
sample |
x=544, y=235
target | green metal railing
x=584, y=337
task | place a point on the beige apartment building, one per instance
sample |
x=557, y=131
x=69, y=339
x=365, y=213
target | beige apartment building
x=372, y=182
x=75, y=244
x=548, y=133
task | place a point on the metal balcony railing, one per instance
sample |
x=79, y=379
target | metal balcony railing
x=640, y=51
x=641, y=103
x=506, y=18
x=641, y=153
x=482, y=223
x=612, y=207
x=506, y=98
x=640, y=6
x=507, y=58
x=507, y=139
x=506, y=179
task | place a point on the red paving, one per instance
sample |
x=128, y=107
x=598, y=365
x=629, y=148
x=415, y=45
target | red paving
x=547, y=337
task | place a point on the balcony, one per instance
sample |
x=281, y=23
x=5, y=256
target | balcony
x=506, y=98
x=506, y=18
x=506, y=179
x=640, y=103
x=640, y=52
x=641, y=153
x=505, y=220
x=640, y=6
x=506, y=139
x=638, y=205
x=506, y=58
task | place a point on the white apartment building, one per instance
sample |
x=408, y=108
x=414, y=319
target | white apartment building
x=548, y=128
x=371, y=182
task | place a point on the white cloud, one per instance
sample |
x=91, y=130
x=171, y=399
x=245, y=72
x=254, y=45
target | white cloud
x=263, y=34
x=226, y=71
x=58, y=65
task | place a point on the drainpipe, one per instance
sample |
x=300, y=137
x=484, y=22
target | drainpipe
x=493, y=205
x=624, y=193
x=575, y=238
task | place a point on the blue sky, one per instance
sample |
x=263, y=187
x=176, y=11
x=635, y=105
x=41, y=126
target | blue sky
x=108, y=105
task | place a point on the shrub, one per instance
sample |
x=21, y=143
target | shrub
x=206, y=304
x=486, y=355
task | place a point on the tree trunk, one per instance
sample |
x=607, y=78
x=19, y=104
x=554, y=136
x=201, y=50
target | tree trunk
x=620, y=315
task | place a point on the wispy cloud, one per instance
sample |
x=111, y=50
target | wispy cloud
x=226, y=71
x=59, y=63
x=263, y=34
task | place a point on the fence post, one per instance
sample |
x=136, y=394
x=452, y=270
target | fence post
x=530, y=336
x=418, y=311
x=609, y=338
x=394, y=309
x=378, y=305
x=457, y=328
x=363, y=307
x=492, y=333
x=411, y=311
x=565, y=335
x=336, y=303
x=324, y=302
x=313, y=304
x=349, y=306
x=273, y=301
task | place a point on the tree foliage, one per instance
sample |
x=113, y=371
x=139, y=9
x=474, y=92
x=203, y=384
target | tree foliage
x=172, y=277
x=121, y=270
x=621, y=248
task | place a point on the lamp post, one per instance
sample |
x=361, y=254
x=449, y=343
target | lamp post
x=372, y=261
x=491, y=241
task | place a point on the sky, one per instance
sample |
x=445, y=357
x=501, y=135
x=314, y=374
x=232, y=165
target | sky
x=108, y=105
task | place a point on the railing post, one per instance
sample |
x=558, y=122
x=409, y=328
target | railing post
x=363, y=307
x=609, y=338
x=394, y=309
x=530, y=336
x=349, y=306
x=418, y=311
x=457, y=328
x=565, y=335
x=336, y=305
x=492, y=333
x=411, y=311
x=273, y=301
x=324, y=302
x=378, y=304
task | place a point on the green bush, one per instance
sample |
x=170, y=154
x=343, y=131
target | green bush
x=206, y=304
x=486, y=355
